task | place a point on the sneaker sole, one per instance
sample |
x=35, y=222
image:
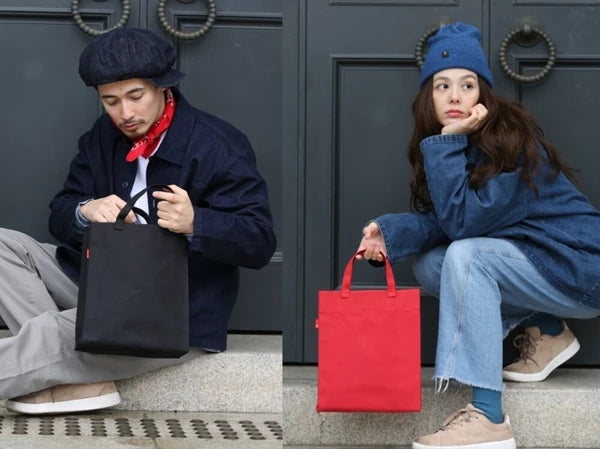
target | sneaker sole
x=76, y=405
x=561, y=358
x=505, y=444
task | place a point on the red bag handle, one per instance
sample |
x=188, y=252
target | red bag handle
x=389, y=276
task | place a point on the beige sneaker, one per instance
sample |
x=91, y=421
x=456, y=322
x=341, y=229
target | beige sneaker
x=540, y=354
x=469, y=428
x=67, y=399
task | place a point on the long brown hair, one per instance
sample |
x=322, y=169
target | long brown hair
x=509, y=139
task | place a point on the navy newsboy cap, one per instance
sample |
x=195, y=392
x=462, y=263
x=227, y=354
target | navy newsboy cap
x=126, y=53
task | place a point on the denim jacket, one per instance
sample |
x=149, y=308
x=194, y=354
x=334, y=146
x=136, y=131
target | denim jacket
x=557, y=228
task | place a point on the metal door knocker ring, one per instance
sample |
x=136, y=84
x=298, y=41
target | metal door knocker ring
x=527, y=30
x=95, y=32
x=162, y=17
x=421, y=44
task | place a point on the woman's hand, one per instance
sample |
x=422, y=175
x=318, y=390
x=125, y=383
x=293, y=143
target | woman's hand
x=372, y=242
x=472, y=123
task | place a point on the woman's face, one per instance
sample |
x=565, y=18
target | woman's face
x=455, y=92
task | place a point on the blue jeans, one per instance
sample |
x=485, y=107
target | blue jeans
x=486, y=287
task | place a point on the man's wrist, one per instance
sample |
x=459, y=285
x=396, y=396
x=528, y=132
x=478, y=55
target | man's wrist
x=79, y=218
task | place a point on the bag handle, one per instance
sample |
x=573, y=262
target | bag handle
x=129, y=206
x=142, y=213
x=389, y=276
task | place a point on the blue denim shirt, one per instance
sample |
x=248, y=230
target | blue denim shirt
x=558, y=229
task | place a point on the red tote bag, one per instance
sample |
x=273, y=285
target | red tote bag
x=369, y=348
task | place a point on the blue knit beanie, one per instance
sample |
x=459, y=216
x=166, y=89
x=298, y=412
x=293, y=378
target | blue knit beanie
x=456, y=46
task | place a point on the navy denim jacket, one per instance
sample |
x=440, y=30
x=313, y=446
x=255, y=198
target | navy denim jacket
x=557, y=229
x=214, y=162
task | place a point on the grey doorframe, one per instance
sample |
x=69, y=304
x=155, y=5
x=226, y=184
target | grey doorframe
x=294, y=154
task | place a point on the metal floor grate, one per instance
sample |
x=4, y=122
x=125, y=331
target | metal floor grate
x=167, y=425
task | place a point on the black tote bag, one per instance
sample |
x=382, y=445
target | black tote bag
x=133, y=289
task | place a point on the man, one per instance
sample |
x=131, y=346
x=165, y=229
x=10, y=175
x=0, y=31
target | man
x=149, y=135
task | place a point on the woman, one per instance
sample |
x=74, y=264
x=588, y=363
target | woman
x=501, y=235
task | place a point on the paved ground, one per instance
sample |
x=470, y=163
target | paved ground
x=372, y=447
x=128, y=430
x=110, y=443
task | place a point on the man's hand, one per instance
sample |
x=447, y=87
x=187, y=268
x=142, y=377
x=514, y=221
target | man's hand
x=175, y=211
x=105, y=210
x=472, y=123
x=372, y=242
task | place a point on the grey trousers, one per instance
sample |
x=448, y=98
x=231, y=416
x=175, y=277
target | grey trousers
x=38, y=304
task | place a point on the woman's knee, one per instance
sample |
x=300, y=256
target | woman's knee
x=427, y=268
x=479, y=251
x=459, y=252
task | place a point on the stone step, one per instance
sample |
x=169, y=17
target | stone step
x=244, y=379
x=561, y=412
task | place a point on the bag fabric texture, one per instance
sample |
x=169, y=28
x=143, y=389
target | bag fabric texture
x=369, y=346
x=133, y=288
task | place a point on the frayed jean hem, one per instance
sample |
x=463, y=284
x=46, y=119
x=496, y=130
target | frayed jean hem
x=508, y=327
x=441, y=384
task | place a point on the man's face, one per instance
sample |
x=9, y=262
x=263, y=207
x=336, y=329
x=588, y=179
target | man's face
x=133, y=105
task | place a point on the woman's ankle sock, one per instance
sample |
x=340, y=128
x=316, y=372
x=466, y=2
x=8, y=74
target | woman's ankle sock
x=490, y=403
x=548, y=324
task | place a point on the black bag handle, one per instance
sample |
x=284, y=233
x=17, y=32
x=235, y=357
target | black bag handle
x=142, y=213
x=129, y=206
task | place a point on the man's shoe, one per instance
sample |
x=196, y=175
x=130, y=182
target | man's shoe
x=66, y=399
x=540, y=354
x=469, y=428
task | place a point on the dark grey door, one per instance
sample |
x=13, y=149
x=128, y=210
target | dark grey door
x=565, y=103
x=351, y=65
x=234, y=72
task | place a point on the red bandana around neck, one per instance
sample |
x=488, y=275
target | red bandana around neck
x=145, y=145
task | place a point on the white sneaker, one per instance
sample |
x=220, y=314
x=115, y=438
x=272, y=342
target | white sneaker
x=67, y=399
x=540, y=354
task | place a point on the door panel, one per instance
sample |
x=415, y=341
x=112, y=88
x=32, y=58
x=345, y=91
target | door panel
x=359, y=90
x=356, y=77
x=565, y=102
x=46, y=106
x=234, y=72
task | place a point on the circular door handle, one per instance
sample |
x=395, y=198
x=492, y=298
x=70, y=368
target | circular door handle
x=527, y=78
x=162, y=17
x=419, y=56
x=92, y=31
